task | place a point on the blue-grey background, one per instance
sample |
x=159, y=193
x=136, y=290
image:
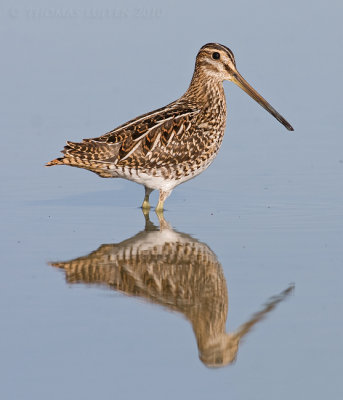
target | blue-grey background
x=270, y=206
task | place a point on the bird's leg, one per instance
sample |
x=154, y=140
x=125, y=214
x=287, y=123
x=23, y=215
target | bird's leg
x=149, y=226
x=146, y=204
x=163, y=223
x=163, y=195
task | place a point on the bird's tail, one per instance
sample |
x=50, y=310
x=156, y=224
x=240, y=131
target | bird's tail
x=88, y=154
x=56, y=161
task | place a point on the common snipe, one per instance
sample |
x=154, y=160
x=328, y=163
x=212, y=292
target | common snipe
x=173, y=144
x=178, y=272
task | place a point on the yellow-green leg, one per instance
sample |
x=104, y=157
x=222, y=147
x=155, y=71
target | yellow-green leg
x=163, y=223
x=149, y=226
x=146, y=204
x=161, y=200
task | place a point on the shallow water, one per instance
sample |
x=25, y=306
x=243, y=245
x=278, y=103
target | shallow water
x=247, y=268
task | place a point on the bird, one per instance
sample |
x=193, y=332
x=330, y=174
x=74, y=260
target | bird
x=173, y=144
x=178, y=272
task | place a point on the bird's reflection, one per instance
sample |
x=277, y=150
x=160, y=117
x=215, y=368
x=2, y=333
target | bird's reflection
x=176, y=271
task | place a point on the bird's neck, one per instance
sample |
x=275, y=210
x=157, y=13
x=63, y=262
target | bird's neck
x=205, y=90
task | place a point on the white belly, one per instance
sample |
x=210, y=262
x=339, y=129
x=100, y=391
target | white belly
x=157, y=181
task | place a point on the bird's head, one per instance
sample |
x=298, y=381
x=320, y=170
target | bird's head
x=217, y=62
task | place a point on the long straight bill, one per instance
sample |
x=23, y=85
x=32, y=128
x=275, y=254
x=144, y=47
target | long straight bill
x=243, y=84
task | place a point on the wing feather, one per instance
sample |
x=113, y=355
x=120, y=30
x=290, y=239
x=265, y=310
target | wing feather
x=139, y=138
x=135, y=143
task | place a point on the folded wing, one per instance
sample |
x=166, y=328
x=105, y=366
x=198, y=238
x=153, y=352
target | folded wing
x=136, y=143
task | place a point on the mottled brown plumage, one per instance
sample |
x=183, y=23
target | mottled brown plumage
x=173, y=144
x=175, y=271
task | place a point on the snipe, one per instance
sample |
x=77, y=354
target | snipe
x=178, y=272
x=173, y=144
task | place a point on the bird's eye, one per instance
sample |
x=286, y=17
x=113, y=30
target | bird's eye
x=216, y=55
